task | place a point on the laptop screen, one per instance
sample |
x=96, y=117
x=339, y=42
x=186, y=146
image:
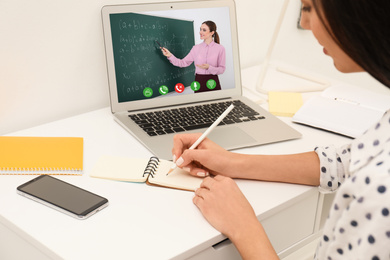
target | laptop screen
x=170, y=51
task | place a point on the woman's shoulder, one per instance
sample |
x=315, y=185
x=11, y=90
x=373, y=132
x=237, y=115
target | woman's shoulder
x=371, y=144
x=199, y=45
x=218, y=45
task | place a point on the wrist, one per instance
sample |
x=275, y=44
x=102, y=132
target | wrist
x=242, y=166
x=249, y=239
x=233, y=165
x=248, y=231
x=253, y=243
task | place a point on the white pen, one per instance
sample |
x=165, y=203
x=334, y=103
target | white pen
x=208, y=131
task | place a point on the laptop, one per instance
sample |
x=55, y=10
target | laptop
x=154, y=98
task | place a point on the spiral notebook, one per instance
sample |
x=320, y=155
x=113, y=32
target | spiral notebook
x=152, y=171
x=41, y=155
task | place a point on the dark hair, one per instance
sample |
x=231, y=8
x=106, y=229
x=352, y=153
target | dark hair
x=362, y=29
x=213, y=28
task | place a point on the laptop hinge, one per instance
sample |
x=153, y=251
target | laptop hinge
x=180, y=105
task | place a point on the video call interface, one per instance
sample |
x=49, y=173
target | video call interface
x=142, y=71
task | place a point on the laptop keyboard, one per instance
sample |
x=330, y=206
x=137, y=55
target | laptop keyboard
x=194, y=117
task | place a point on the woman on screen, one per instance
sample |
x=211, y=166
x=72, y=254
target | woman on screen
x=209, y=58
x=358, y=225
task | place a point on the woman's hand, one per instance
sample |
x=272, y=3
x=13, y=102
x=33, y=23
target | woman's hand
x=166, y=52
x=207, y=158
x=225, y=207
x=203, y=66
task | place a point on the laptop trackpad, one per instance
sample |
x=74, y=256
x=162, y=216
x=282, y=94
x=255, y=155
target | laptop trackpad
x=231, y=137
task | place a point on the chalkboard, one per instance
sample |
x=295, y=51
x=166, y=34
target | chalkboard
x=139, y=62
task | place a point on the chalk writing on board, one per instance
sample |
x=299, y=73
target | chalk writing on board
x=139, y=62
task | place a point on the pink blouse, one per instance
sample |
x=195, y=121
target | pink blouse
x=212, y=54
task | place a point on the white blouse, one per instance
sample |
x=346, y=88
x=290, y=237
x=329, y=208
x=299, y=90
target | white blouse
x=358, y=225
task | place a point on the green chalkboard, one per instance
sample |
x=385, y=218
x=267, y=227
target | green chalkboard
x=138, y=60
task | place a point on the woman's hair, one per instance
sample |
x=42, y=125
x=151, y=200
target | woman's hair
x=213, y=28
x=362, y=29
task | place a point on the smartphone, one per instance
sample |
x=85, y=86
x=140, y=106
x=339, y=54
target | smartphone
x=62, y=196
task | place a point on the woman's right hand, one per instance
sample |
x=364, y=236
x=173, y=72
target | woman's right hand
x=207, y=158
x=166, y=52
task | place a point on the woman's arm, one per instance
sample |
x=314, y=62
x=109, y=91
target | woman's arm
x=220, y=199
x=226, y=208
x=303, y=168
x=185, y=62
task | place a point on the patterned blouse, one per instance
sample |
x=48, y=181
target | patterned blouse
x=358, y=225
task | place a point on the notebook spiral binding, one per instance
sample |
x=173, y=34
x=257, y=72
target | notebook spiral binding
x=152, y=166
x=39, y=171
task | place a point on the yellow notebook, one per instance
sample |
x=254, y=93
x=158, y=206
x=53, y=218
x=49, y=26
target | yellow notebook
x=41, y=155
x=152, y=170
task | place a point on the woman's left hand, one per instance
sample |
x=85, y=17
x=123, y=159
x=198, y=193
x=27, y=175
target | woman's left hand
x=224, y=205
x=203, y=66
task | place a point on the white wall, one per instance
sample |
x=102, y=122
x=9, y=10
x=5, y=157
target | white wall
x=52, y=62
x=301, y=49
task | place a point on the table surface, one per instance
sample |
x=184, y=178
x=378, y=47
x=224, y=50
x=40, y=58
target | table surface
x=139, y=216
x=141, y=221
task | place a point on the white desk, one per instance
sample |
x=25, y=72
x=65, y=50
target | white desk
x=144, y=222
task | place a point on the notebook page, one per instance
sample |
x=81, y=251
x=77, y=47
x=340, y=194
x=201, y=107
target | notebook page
x=359, y=96
x=339, y=117
x=178, y=178
x=120, y=168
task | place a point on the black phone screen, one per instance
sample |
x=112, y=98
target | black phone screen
x=63, y=195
